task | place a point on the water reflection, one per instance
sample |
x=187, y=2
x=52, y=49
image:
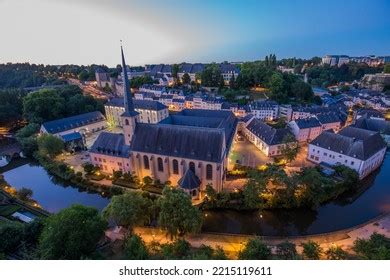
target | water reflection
x=52, y=194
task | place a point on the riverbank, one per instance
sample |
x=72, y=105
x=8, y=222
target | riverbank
x=233, y=243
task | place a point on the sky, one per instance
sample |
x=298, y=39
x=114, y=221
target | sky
x=174, y=31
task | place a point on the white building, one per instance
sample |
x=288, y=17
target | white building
x=359, y=149
x=305, y=129
x=265, y=110
x=84, y=124
x=267, y=139
x=149, y=111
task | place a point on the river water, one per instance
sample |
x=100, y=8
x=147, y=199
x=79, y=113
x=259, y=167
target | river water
x=371, y=199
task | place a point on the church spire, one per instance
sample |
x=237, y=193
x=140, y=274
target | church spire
x=129, y=106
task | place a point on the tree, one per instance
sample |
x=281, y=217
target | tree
x=276, y=86
x=255, y=249
x=211, y=76
x=24, y=194
x=11, y=106
x=29, y=145
x=72, y=233
x=336, y=253
x=177, y=214
x=128, y=210
x=89, y=168
x=377, y=247
x=311, y=250
x=50, y=145
x=386, y=69
x=179, y=249
x=302, y=91
x=251, y=196
x=286, y=251
x=27, y=131
x=11, y=235
x=43, y=105
x=186, y=79
x=290, y=148
x=135, y=248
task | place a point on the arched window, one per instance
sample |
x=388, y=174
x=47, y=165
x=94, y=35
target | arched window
x=209, y=172
x=175, y=164
x=192, y=166
x=160, y=164
x=127, y=122
x=146, y=162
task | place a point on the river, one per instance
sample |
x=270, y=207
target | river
x=371, y=199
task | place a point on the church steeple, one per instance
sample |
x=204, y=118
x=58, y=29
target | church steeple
x=129, y=105
x=130, y=116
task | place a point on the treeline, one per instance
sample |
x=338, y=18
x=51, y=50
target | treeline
x=46, y=104
x=22, y=75
x=325, y=75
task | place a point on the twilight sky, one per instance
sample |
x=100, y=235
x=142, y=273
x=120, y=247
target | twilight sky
x=173, y=31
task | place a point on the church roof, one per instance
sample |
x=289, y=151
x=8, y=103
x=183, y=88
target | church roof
x=189, y=181
x=73, y=122
x=111, y=144
x=197, y=143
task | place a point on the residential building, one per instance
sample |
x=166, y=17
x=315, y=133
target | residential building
x=265, y=110
x=305, y=130
x=267, y=139
x=377, y=125
x=359, y=149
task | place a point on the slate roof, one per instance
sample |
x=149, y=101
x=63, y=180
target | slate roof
x=197, y=143
x=307, y=123
x=191, y=68
x=228, y=68
x=262, y=105
x=71, y=136
x=111, y=144
x=330, y=117
x=351, y=141
x=380, y=126
x=73, y=122
x=138, y=104
x=370, y=113
x=189, y=181
x=270, y=135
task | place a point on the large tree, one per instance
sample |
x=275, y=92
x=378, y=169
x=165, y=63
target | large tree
x=177, y=214
x=186, y=79
x=286, y=251
x=72, y=233
x=290, y=148
x=50, y=145
x=255, y=249
x=377, y=247
x=128, y=210
x=43, y=105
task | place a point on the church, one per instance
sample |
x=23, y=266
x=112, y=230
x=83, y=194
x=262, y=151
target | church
x=190, y=149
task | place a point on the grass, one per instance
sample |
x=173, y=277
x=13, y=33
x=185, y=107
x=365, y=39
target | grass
x=8, y=210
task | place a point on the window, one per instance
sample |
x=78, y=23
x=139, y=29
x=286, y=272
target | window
x=119, y=164
x=192, y=166
x=146, y=162
x=209, y=172
x=352, y=162
x=175, y=164
x=160, y=164
x=127, y=122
